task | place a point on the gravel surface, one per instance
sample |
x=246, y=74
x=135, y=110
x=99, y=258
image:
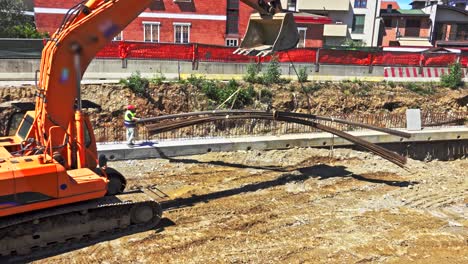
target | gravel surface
x=295, y=206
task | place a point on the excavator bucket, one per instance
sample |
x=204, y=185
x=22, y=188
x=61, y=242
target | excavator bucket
x=267, y=34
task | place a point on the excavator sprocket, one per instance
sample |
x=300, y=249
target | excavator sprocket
x=55, y=230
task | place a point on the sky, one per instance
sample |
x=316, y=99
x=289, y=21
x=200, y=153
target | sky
x=404, y=4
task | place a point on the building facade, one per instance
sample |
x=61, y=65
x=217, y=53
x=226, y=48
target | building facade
x=405, y=27
x=350, y=20
x=427, y=23
x=449, y=25
x=221, y=22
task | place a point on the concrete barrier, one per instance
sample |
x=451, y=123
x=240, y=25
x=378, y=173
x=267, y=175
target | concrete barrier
x=443, y=144
x=112, y=69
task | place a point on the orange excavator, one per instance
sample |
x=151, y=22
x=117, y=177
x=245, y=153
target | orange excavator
x=54, y=189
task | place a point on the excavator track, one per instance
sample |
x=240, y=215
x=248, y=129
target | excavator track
x=60, y=229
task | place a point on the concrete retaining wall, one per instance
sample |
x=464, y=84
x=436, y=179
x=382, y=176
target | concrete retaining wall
x=443, y=144
x=111, y=69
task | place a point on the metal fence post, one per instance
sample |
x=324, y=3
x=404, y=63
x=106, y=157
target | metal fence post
x=317, y=65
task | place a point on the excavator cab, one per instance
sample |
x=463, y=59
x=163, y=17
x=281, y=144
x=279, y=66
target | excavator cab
x=269, y=33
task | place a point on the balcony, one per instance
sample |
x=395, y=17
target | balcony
x=323, y=5
x=335, y=30
x=412, y=32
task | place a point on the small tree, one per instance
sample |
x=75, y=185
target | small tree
x=14, y=23
x=453, y=79
x=273, y=72
x=252, y=73
x=302, y=75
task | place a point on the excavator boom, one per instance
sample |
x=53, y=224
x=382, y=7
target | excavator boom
x=51, y=187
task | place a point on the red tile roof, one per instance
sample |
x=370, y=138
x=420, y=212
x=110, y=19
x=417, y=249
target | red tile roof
x=384, y=4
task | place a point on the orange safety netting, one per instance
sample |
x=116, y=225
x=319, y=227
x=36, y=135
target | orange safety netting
x=210, y=53
x=219, y=54
x=435, y=59
x=350, y=57
x=464, y=60
x=110, y=51
x=139, y=50
x=298, y=55
x=391, y=58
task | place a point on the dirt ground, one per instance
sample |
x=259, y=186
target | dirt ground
x=296, y=206
x=288, y=206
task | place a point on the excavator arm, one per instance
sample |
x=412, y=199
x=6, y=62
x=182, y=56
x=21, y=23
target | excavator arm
x=264, y=7
x=48, y=169
x=86, y=29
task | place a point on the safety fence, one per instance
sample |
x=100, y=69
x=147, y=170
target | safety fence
x=195, y=52
x=254, y=127
x=210, y=53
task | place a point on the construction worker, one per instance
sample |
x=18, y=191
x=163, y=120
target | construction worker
x=130, y=120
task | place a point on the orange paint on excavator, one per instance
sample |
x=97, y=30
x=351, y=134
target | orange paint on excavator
x=52, y=159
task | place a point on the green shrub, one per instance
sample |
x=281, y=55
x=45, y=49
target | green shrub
x=356, y=81
x=417, y=88
x=364, y=89
x=391, y=84
x=302, y=75
x=431, y=87
x=454, y=79
x=266, y=96
x=244, y=97
x=219, y=93
x=210, y=89
x=252, y=73
x=158, y=79
x=136, y=83
x=273, y=72
x=311, y=88
x=196, y=81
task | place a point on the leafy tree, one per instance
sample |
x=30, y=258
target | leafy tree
x=273, y=72
x=252, y=73
x=14, y=23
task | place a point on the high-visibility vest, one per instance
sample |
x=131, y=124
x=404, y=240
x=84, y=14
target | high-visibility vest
x=128, y=119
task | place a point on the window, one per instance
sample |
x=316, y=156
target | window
x=358, y=24
x=233, y=4
x=413, y=23
x=302, y=37
x=413, y=28
x=461, y=33
x=292, y=5
x=232, y=22
x=151, y=31
x=181, y=32
x=232, y=42
x=119, y=37
x=360, y=3
x=388, y=22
